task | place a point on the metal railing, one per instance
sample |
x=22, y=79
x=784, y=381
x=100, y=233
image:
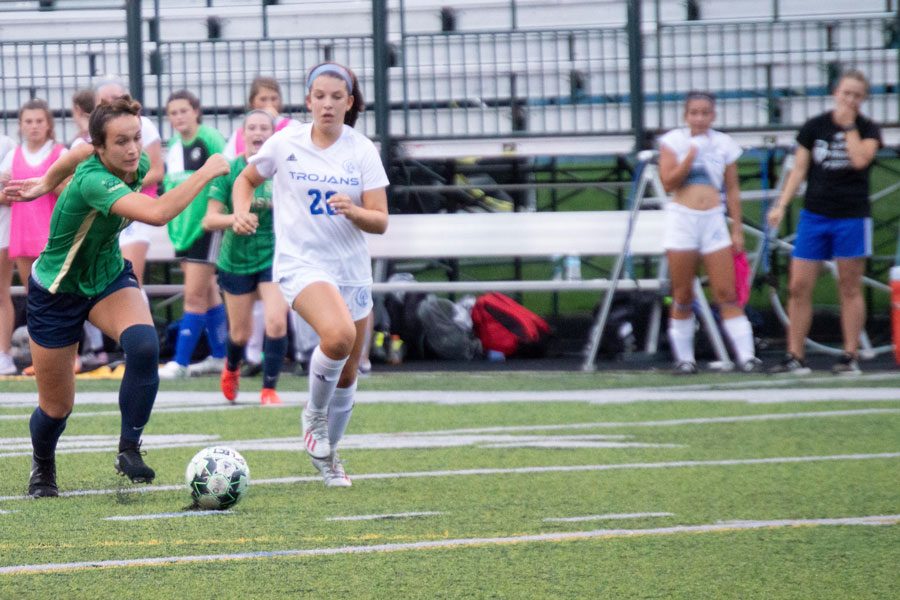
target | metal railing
x=556, y=82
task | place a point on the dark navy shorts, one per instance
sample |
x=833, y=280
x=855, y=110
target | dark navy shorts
x=205, y=248
x=824, y=238
x=56, y=320
x=243, y=284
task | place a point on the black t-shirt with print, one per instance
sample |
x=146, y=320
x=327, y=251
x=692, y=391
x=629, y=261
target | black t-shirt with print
x=833, y=187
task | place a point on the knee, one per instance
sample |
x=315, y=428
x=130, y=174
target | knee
x=141, y=346
x=800, y=289
x=276, y=326
x=725, y=296
x=850, y=290
x=239, y=332
x=337, y=341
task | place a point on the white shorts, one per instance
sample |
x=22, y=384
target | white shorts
x=358, y=297
x=135, y=233
x=4, y=227
x=703, y=230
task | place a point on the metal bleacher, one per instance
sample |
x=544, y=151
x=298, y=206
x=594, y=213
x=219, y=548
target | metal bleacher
x=562, y=66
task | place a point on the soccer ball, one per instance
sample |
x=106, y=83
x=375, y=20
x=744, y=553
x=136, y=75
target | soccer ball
x=217, y=477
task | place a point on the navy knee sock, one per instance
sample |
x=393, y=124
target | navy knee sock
x=45, y=432
x=274, y=350
x=234, y=355
x=141, y=381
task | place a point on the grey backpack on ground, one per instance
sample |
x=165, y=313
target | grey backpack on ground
x=447, y=329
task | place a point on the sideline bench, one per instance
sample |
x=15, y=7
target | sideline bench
x=507, y=235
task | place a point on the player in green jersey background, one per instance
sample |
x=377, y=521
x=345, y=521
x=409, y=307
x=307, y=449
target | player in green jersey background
x=245, y=267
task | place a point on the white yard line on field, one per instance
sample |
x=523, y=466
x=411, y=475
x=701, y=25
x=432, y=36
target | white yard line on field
x=675, y=422
x=610, y=517
x=403, y=515
x=21, y=446
x=507, y=471
x=878, y=520
x=380, y=441
x=169, y=515
x=213, y=400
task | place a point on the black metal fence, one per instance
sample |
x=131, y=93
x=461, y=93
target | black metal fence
x=514, y=82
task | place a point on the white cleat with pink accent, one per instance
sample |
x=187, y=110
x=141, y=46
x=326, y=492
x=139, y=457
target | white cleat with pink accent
x=315, y=433
x=332, y=470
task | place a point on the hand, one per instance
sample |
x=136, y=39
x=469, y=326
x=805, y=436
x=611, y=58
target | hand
x=245, y=223
x=23, y=190
x=342, y=204
x=775, y=215
x=218, y=164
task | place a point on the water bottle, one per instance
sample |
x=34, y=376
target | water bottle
x=573, y=268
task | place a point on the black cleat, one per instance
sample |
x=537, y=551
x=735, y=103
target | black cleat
x=251, y=369
x=130, y=462
x=42, y=483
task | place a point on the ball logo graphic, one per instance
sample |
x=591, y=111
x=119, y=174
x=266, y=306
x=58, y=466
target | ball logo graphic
x=217, y=478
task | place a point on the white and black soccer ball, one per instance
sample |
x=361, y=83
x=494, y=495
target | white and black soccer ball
x=217, y=477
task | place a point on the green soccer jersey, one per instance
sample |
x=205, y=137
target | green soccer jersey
x=183, y=157
x=245, y=254
x=82, y=254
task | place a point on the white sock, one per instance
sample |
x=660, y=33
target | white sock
x=253, y=349
x=681, y=338
x=323, y=377
x=740, y=332
x=339, y=412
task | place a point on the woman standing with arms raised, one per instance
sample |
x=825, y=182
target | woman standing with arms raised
x=328, y=189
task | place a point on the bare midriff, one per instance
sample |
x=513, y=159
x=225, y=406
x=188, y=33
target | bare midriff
x=698, y=196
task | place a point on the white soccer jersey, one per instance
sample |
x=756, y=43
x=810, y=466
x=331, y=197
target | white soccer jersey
x=716, y=150
x=307, y=234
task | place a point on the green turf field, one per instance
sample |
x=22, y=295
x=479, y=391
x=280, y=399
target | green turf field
x=488, y=485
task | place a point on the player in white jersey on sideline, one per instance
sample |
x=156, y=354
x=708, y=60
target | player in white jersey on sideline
x=328, y=189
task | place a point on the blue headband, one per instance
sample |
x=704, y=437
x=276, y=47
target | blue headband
x=331, y=69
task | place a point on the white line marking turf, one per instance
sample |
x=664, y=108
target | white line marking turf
x=610, y=517
x=604, y=396
x=169, y=515
x=21, y=446
x=405, y=515
x=731, y=526
x=507, y=471
x=75, y=445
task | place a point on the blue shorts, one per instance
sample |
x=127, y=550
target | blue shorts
x=238, y=285
x=56, y=320
x=824, y=238
x=205, y=248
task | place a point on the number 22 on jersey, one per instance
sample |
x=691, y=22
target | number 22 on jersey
x=319, y=202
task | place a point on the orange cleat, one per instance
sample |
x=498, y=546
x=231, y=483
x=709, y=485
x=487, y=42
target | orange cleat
x=269, y=396
x=230, y=383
